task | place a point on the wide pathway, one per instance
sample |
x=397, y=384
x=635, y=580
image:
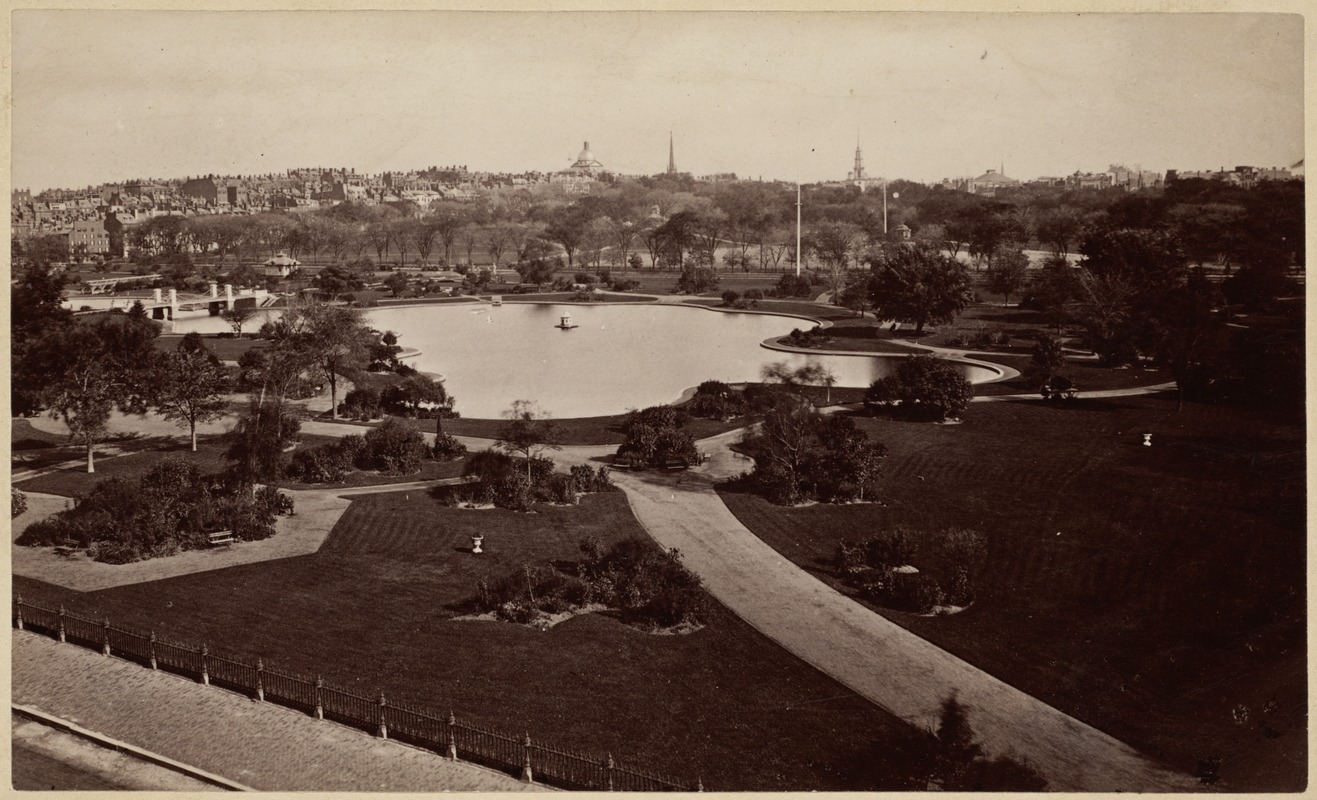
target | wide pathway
x=876, y=658
x=260, y=745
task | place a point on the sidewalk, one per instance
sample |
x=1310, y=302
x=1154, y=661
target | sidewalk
x=866, y=652
x=261, y=745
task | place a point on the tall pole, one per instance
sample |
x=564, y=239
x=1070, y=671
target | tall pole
x=884, y=207
x=797, y=229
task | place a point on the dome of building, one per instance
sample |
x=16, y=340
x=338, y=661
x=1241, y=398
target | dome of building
x=586, y=156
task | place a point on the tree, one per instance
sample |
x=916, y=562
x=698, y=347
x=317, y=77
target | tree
x=89, y=371
x=190, y=389
x=833, y=243
x=918, y=284
x=1007, y=272
x=1054, y=291
x=1188, y=336
x=923, y=387
x=396, y=283
x=535, y=262
x=695, y=279
x=414, y=390
x=334, y=338
x=238, y=316
x=1046, y=361
x=527, y=432
x=335, y=280
x=567, y=228
x=1058, y=228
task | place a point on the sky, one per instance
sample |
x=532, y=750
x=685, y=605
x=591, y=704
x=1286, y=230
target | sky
x=103, y=96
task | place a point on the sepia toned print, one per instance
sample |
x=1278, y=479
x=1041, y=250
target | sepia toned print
x=658, y=401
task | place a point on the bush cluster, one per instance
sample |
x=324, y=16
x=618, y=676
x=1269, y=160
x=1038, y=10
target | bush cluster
x=171, y=508
x=924, y=388
x=716, y=400
x=871, y=567
x=649, y=586
x=17, y=503
x=392, y=448
x=656, y=436
x=507, y=482
x=790, y=285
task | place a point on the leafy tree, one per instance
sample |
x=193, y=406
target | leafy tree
x=923, y=387
x=395, y=448
x=190, y=389
x=1188, y=336
x=535, y=263
x=1059, y=228
x=695, y=279
x=528, y=432
x=1047, y=360
x=833, y=243
x=17, y=502
x=238, y=316
x=414, y=390
x=1007, y=273
x=335, y=280
x=801, y=454
x=918, y=284
x=334, y=338
x=396, y=283
x=655, y=436
x=89, y=371
x=1054, y=291
x=35, y=312
x=567, y=227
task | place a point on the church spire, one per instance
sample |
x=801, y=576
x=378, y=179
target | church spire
x=672, y=161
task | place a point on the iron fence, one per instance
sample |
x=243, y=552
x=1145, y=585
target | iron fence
x=444, y=734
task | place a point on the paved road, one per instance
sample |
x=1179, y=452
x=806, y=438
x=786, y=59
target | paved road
x=260, y=745
x=48, y=759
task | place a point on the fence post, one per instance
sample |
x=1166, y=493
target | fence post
x=205, y=673
x=452, y=736
x=320, y=701
x=260, y=681
x=526, y=774
x=18, y=601
x=151, y=650
x=62, y=631
x=610, y=766
x=105, y=638
x=384, y=729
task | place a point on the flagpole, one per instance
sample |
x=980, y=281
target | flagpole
x=797, y=229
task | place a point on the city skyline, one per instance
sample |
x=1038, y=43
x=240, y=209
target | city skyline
x=778, y=95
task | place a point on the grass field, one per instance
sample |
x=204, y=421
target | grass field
x=373, y=609
x=572, y=431
x=1147, y=591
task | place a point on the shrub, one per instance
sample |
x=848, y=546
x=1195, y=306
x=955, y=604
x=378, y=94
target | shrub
x=274, y=501
x=488, y=466
x=891, y=548
x=447, y=448
x=561, y=489
x=792, y=286
x=730, y=297
x=512, y=491
x=395, y=448
x=17, y=503
x=753, y=296
x=960, y=592
x=923, y=387
x=362, y=403
x=44, y=533
x=916, y=592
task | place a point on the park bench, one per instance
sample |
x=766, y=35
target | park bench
x=676, y=463
x=220, y=538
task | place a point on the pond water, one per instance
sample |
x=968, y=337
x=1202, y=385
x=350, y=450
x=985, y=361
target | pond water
x=619, y=357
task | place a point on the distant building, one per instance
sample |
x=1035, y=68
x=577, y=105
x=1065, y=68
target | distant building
x=990, y=182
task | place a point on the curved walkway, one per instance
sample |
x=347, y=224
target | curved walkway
x=876, y=658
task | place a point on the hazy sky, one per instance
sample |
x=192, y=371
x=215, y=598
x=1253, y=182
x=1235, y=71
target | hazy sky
x=111, y=95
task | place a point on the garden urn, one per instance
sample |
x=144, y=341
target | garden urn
x=476, y=540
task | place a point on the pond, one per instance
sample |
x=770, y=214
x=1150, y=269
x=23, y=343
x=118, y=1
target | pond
x=619, y=357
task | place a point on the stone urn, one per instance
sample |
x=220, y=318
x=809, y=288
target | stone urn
x=1147, y=440
x=476, y=540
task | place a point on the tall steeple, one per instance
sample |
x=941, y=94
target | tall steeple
x=859, y=162
x=672, y=161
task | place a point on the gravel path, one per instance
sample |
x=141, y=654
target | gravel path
x=261, y=745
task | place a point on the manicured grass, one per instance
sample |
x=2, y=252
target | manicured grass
x=373, y=610
x=572, y=431
x=430, y=471
x=569, y=297
x=798, y=307
x=1088, y=376
x=225, y=349
x=1148, y=591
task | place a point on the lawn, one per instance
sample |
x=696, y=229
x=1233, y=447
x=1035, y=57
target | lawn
x=224, y=348
x=1148, y=591
x=583, y=431
x=1089, y=376
x=373, y=609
